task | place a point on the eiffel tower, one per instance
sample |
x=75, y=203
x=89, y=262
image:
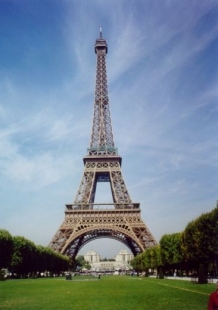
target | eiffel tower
x=86, y=220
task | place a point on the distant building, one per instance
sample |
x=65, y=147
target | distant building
x=121, y=262
x=123, y=256
x=92, y=257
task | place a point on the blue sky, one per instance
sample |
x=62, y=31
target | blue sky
x=162, y=68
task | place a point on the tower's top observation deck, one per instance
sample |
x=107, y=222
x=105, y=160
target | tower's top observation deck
x=101, y=44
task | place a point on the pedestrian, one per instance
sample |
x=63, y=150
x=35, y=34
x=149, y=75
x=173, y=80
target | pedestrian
x=213, y=300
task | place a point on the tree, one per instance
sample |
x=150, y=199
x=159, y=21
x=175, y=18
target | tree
x=200, y=242
x=81, y=263
x=52, y=261
x=6, y=248
x=156, y=259
x=137, y=262
x=171, y=251
x=149, y=259
x=24, y=251
x=202, y=276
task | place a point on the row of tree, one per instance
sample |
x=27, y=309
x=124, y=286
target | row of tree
x=194, y=249
x=22, y=257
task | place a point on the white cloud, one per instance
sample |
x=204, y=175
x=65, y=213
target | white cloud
x=7, y=149
x=126, y=51
x=25, y=151
x=39, y=171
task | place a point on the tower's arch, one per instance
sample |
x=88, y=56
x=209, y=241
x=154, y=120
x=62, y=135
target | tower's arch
x=81, y=226
x=74, y=247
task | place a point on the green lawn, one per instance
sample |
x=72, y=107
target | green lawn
x=110, y=292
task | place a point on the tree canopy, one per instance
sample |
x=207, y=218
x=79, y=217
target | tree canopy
x=194, y=248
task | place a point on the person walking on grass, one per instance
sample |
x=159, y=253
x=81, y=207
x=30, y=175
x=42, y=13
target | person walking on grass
x=213, y=300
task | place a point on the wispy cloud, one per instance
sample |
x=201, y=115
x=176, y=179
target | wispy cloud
x=39, y=171
x=25, y=145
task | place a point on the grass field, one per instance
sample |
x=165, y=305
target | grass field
x=110, y=292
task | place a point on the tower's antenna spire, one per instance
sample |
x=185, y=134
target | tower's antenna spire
x=100, y=32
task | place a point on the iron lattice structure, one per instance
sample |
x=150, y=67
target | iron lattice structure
x=86, y=220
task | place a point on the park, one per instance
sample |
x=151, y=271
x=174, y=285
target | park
x=108, y=292
x=162, y=78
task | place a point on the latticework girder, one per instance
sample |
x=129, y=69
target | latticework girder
x=103, y=170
